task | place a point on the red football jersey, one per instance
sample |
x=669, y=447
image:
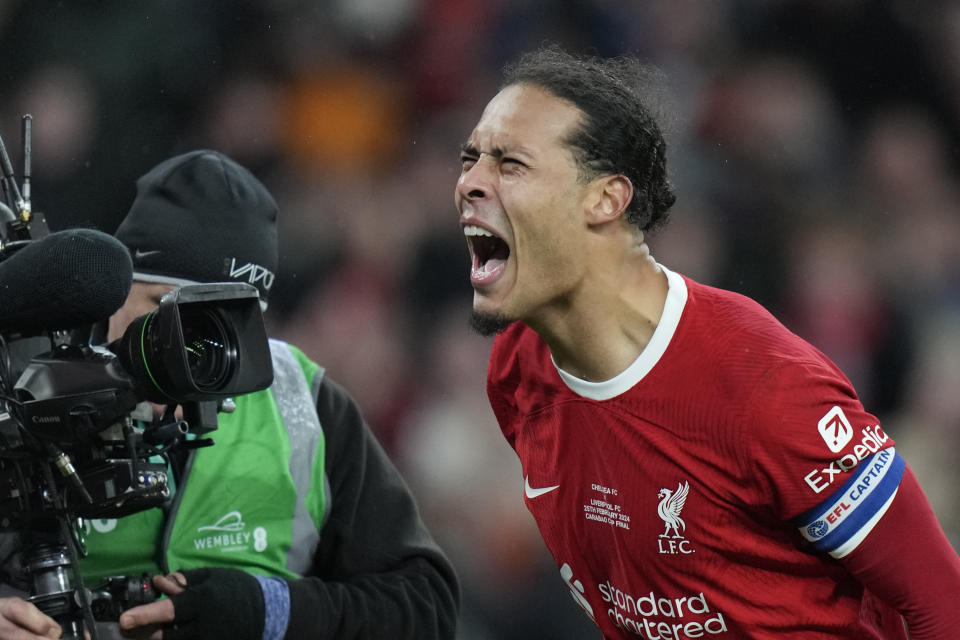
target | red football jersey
x=707, y=490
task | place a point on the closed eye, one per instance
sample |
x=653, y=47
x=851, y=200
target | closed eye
x=512, y=166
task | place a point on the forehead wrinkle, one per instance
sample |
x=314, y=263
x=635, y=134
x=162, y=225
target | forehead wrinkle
x=497, y=152
x=513, y=123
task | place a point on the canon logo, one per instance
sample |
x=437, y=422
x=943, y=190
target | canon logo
x=45, y=419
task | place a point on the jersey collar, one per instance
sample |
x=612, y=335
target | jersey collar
x=651, y=354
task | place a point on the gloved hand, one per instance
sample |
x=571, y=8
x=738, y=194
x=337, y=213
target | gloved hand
x=203, y=603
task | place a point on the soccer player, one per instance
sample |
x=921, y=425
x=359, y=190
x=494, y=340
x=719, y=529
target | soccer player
x=695, y=469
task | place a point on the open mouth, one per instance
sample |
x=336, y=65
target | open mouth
x=488, y=252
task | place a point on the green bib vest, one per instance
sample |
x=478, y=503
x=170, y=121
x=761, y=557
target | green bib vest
x=256, y=500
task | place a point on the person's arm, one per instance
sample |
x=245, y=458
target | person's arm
x=378, y=572
x=907, y=561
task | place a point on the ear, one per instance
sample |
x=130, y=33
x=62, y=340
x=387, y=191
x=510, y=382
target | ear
x=609, y=198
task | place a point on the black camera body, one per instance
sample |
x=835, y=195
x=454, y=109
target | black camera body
x=72, y=405
x=70, y=446
x=79, y=437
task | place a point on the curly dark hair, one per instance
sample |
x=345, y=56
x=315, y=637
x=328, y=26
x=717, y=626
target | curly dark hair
x=618, y=133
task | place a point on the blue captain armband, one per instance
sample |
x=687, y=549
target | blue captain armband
x=838, y=524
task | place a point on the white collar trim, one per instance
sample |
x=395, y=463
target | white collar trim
x=651, y=354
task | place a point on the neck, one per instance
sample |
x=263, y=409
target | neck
x=599, y=335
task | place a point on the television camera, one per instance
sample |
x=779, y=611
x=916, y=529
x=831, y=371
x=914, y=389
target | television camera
x=79, y=437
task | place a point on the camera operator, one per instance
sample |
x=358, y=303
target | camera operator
x=295, y=523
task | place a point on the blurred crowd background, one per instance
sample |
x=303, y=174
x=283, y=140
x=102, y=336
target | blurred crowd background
x=814, y=146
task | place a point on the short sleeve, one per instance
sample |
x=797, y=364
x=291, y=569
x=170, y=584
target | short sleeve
x=822, y=461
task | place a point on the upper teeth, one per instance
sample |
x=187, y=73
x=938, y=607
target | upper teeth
x=473, y=230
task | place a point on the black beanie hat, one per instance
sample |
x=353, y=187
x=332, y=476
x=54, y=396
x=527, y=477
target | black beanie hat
x=201, y=217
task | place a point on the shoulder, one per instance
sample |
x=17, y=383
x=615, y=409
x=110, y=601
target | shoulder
x=726, y=310
x=732, y=328
x=520, y=375
x=282, y=348
x=332, y=398
x=285, y=355
x=756, y=368
x=518, y=353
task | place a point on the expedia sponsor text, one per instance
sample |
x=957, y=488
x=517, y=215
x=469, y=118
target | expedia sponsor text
x=872, y=441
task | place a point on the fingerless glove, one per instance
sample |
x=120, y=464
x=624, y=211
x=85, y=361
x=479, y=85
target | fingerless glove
x=217, y=604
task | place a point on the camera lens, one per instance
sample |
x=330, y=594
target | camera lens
x=211, y=352
x=189, y=349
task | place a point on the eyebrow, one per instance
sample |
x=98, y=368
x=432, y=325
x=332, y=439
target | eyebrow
x=495, y=152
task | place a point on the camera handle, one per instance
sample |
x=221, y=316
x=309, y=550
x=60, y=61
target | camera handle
x=51, y=566
x=51, y=561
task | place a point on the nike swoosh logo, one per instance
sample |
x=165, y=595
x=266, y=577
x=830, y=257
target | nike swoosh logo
x=143, y=254
x=535, y=493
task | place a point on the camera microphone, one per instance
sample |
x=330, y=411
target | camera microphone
x=63, y=281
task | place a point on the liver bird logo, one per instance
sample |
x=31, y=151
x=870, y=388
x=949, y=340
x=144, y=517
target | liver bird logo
x=671, y=504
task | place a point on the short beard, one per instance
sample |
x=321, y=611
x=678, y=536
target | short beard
x=488, y=324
